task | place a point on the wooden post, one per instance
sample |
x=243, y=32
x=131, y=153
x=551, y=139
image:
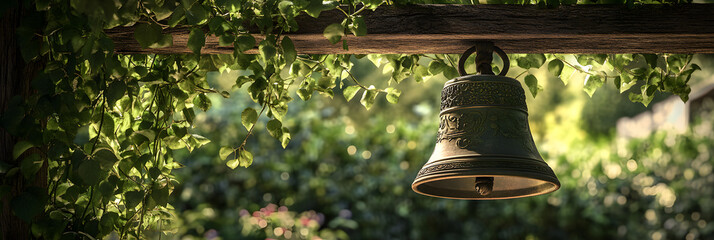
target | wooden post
x=15, y=78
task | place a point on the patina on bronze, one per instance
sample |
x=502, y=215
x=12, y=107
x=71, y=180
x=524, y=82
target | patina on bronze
x=484, y=147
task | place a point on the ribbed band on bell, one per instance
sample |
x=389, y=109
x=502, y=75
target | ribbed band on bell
x=515, y=165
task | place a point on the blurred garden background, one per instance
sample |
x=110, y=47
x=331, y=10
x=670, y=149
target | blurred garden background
x=347, y=172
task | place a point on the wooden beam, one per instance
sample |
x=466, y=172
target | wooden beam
x=417, y=29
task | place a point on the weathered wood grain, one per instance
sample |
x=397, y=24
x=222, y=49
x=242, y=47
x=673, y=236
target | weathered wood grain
x=515, y=28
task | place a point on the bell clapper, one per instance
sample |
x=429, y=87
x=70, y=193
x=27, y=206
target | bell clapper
x=484, y=185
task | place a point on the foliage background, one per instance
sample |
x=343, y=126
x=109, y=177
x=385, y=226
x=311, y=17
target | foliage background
x=354, y=169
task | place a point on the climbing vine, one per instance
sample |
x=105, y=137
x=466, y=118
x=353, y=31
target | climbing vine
x=105, y=124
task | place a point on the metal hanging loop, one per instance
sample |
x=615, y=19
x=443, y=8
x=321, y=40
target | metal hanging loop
x=484, y=57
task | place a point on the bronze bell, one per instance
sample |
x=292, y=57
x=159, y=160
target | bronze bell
x=484, y=147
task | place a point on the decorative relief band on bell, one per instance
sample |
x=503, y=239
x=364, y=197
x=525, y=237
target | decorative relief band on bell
x=483, y=93
x=458, y=125
x=520, y=165
x=470, y=127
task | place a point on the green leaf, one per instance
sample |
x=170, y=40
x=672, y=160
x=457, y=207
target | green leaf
x=200, y=140
x=226, y=40
x=316, y=6
x=177, y=16
x=393, y=95
x=202, y=102
x=654, y=78
x=249, y=117
x=196, y=40
x=256, y=89
x=555, y=67
x=288, y=11
x=279, y=110
x=587, y=59
x=174, y=142
x=695, y=66
x=639, y=72
x=421, y=73
x=326, y=82
x=436, y=67
x=189, y=115
x=27, y=205
x=246, y=158
x=531, y=61
x=685, y=94
x=368, y=97
x=648, y=93
x=566, y=74
x=225, y=152
x=105, y=157
x=267, y=50
x=115, y=91
x=451, y=73
x=600, y=58
x=29, y=48
x=218, y=26
x=178, y=93
x=626, y=82
x=592, y=83
x=160, y=195
x=651, y=60
x=344, y=45
x=133, y=198
x=304, y=94
x=90, y=172
x=150, y=36
x=233, y=164
x=350, y=92
x=532, y=83
x=245, y=42
x=288, y=50
x=108, y=126
x=196, y=15
x=143, y=136
x=188, y=3
x=109, y=219
x=166, y=40
x=285, y=137
x=106, y=189
x=275, y=128
x=154, y=173
x=358, y=27
x=334, y=32
x=31, y=165
x=242, y=80
x=286, y=8
x=20, y=148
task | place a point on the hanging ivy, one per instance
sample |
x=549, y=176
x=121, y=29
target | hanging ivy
x=106, y=124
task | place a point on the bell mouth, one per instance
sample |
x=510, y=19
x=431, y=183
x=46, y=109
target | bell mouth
x=464, y=187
